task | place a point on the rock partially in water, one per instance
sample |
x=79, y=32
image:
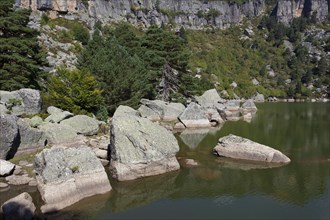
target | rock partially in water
x=6, y=167
x=194, y=117
x=19, y=207
x=67, y=175
x=82, y=124
x=209, y=98
x=9, y=138
x=241, y=148
x=140, y=148
x=249, y=106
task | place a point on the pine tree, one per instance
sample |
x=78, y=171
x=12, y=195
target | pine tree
x=123, y=78
x=20, y=56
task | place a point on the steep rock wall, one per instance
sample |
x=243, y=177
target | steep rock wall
x=192, y=14
x=287, y=10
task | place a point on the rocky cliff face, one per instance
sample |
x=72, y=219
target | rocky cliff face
x=289, y=9
x=192, y=14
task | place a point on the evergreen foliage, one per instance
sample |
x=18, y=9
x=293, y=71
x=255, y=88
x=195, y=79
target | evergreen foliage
x=129, y=64
x=74, y=90
x=20, y=55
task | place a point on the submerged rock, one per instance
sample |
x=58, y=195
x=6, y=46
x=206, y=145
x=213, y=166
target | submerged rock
x=19, y=207
x=140, y=148
x=241, y=148
x=67, y=175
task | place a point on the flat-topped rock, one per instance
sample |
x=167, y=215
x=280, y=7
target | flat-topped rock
x=82, y=124
x=241, y=148
x=66, y=175
x=59, y=133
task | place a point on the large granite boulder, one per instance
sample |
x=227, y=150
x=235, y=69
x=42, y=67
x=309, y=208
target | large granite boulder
x=241, y=148
x=123, y=110
x=82, y=124
x=249, y=106
x=209, y=98
x=58, y=133
x=57, y=115
x=31, y=139
x=194, y=117
x=9, y=138
x=67, y=175
x=23, y=101
x=140, y=148
x=6, y=167
x=20, y=207
x=166, y=111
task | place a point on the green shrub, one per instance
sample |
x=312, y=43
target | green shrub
x=74, y=90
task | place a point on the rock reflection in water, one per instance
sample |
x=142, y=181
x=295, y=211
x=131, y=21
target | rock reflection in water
x=130, y=194
x=245, y=164
x=193, y=137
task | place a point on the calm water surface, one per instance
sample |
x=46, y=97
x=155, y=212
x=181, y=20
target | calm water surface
x=227, y=189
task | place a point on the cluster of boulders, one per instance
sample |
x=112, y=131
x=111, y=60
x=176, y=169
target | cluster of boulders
x=206, y=111
x=138, y=146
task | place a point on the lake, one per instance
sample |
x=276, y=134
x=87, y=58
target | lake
x=229, y=189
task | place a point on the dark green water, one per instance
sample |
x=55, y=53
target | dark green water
x=226, y=189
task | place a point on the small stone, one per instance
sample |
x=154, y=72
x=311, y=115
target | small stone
x=105, y=162
x=33, y=183
x=23, y=163
x=103, y=154
x=6, y=168
x=191, y=162
x=18, y=180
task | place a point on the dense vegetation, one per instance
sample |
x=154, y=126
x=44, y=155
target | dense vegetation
x=129, y=65
x=234, y=55
x=20, y=55
x=120, y=64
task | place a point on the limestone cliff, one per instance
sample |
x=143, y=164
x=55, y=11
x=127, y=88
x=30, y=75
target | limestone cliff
x=287, y=10
x=192, y=14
